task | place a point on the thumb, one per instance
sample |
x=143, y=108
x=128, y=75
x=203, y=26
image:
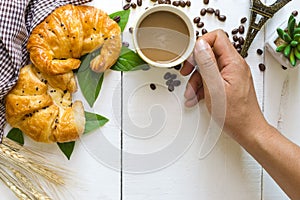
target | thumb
x=213, y=83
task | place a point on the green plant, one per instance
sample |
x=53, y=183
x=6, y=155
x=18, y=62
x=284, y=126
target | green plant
x=289, y=43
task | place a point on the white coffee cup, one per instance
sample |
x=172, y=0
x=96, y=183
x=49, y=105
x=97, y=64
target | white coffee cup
x=153, y=40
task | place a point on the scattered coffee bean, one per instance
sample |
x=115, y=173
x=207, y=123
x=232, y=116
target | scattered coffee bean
x=226, y=34
x=161, y=1
x=169, y=82
x=171, y=88
x=117, y=19
x=210, y=10
x=133, y=5
x=152, y=86
x=182, y=3
x=167, y=75
x=197, y=20
x=168, y=2
x=241, y=40
x=131, y=30
x=204, y=31
x=259, y=51
x=202, y=11
x=283, y=67
x=197, y=33
x=188, y=3
x=235, y=38
x=243, y=20
x=200, y=24
x=128, y=1
x=241, y=29
x=177, y=67
x=175, y=3
x=206, y=2
x=222, y=18
x=176, y=83
x=234, y=31
x=295, y=13
x=239, y=50
x=126, y=7
x=139, y=2
x=125, y=44
x=217, y=12
x=262, y=67
x=173, y=76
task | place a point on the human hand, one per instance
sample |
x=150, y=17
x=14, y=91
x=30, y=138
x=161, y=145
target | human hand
x=224, y=78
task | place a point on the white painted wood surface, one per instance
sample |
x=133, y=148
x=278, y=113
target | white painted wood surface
x=156, y=141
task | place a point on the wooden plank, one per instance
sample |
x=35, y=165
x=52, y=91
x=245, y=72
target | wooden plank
x=95, y=162
x=281, y=105
x=162, y=138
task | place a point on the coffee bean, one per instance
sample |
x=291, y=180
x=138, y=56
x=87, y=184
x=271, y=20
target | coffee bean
x=139, y=2
x=259, y=51
x=128, y=1
x=241, y=29
x=167, y=75
x=126, y=7
x=125, y=44
x=210, y=10
x=152, y=86
x=188, y=3
x=169, y=82
x=168, y=2
x=204, y=31
x=182, y=4
x=206, y=2
x=176, y=83
x=133, y=5
x=283, y=67
x=239, y=50
x=131, y=30
x=173, y=76
x=234, y=31
x=197, y=20
x=161, y=1
x=235, y=38
x=222, y=18
x=197, y=33
x=171, y=88
x=202, y=11
x=262, y=67
x=295, y=13
x=241, y=40
x=117, y=19
x=176, y=3
x=243, y=20
x=217, y=12
x=177, y=67
x=226, y=34
x=200, y=24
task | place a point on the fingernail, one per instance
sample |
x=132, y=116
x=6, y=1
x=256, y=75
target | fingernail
x=201, y=45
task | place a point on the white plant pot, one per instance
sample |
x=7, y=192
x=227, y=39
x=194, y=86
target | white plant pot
x=271, y=47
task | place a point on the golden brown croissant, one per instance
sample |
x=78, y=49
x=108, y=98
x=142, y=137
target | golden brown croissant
x=41, y=106
x=70, y=32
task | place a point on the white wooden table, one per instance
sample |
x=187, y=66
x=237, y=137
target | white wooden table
x=150, y=147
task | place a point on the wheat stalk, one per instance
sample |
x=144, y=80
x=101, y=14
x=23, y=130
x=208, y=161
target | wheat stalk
x=10, y=183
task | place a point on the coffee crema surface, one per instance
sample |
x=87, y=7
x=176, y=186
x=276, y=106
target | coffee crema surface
x=163, y=37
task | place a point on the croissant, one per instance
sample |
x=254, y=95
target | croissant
x=70, y=32
x=41, y=106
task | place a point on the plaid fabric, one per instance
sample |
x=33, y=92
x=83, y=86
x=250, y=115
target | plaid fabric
x=17, y=20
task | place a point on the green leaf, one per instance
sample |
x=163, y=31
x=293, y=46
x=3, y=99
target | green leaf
x=291, y=18
x=297, y=31
x=281, y=48
x=67, y=148
x=93, y=121
x=89, y=81
x=287, y=38
x=297, y=53
x=129, y=61
x=287, y=50
x=297, y=37
x=16, y=135
x=291, y=26
x=124, y=15
x=292, y=58
x=280, y=32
